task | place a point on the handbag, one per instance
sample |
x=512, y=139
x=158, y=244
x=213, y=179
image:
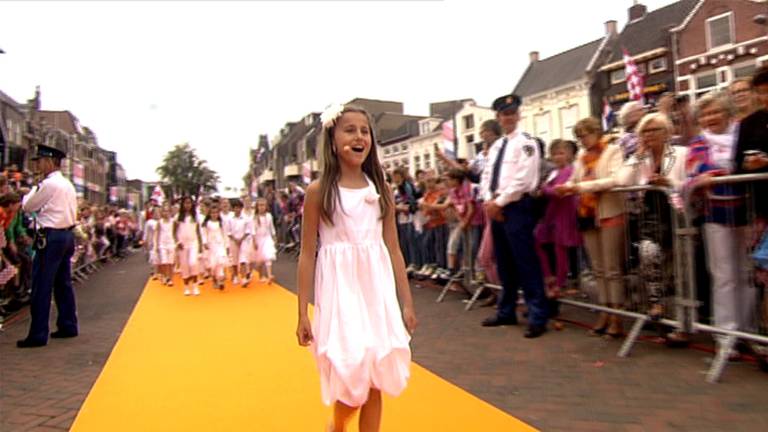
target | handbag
x=760, y=254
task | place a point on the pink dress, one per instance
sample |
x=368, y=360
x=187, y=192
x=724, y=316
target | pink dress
x=559, y=224
x=360, y=339
x=263, y=232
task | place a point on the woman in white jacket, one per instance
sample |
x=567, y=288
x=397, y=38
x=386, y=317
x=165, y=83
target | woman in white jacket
x=656, y=162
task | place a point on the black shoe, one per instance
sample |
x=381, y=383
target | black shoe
x=495, y=321
x=762, y=363
x=28, y=343
x=491, y=300
x=58, y=334
x=535, y=331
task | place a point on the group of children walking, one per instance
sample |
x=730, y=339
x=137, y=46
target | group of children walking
x=201, y=244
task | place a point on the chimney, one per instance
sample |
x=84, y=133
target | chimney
x=534, y=56
x=610, y=27
x=637, y=11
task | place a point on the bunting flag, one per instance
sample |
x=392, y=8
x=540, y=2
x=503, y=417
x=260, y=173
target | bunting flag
x=448, y=139
x=158, y=195
x=635, y=80
x=306, y=172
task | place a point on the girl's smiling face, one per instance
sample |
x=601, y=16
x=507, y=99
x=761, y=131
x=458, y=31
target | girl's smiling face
x=352, y=138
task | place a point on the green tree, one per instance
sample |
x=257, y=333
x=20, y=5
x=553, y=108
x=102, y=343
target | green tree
x=187, y=174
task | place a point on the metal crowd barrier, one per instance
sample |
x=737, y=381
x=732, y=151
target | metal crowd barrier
x=746, y=231
x=663, y=245
x=653, y=263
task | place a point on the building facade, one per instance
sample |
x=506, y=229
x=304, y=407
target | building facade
x=647, y=39
x=719, y=41
x=468, y=121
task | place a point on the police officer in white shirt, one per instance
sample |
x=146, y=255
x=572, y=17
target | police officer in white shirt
x=55, y=203
x=509, y=178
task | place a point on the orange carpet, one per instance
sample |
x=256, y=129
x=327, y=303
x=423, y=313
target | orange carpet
x=229, y=361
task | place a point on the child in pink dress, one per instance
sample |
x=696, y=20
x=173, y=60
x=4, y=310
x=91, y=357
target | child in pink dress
x=188, y=243
x=215, y=243
x=263, y=240
x=558, y=227
x=359, y=336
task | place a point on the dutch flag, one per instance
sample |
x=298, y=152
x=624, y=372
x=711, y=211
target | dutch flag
x=608, y=115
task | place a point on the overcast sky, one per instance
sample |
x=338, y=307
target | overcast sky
x=148, y=75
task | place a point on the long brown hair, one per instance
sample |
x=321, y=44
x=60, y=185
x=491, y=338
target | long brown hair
x=329, y=178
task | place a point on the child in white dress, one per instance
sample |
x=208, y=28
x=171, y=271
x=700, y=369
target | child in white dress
x=215, y=243
x=188, y=245
x=150, y=237
x=359, y=336
x=263, y=240
x=165, y=245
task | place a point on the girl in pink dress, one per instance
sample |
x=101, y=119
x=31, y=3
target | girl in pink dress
x=558, y=227
x=215, y=242
x=263, y=240
x=188, y=243
x=359, y=336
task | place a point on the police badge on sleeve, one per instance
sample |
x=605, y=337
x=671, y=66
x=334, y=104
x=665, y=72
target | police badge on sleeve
x=528, y=150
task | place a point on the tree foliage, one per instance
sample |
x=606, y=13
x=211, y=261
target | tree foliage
x=186, y=174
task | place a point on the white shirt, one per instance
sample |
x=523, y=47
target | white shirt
x=519, y=173
x=239, y=227
x=54, y=200
x=150, y=233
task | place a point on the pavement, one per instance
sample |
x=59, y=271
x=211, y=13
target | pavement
x=563, y=381
x=42, y=389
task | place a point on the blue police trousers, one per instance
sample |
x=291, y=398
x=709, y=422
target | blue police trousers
x=52, y=276
x=517, y=263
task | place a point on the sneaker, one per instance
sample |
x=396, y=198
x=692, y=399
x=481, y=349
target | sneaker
x=440, y=273
x=430, y=271
x=187, y=290
x=196, y=290
x=235, y=280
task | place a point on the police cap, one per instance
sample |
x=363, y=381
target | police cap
x=43, y=151
x=510, y=101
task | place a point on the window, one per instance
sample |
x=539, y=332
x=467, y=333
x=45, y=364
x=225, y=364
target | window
x=404, y=162
x=705, y=83
x=617, y=76
x=424, y=128
x=745, y=70
x=720, y=30
x=541, y=125
x=469, y=121
x=568, y=118
x=404, y=147
x=427, y=161
x=658, y=65
x=469, y=139
x=386, y=151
